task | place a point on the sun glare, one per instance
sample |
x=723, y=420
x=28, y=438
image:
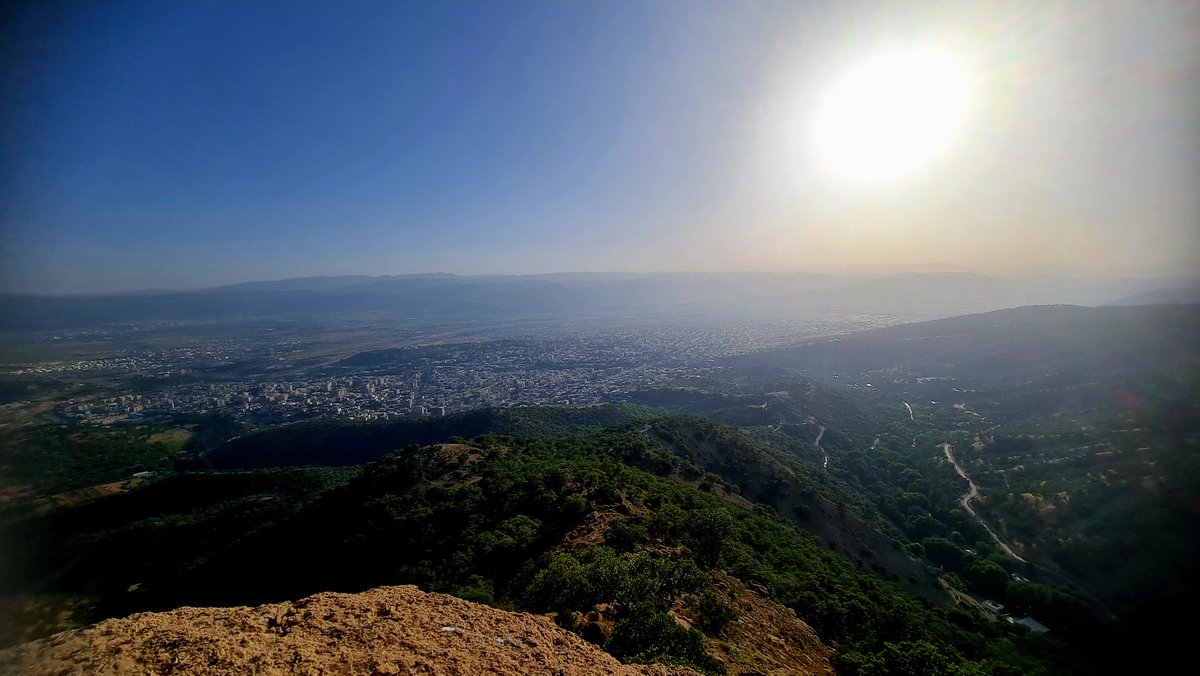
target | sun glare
x=891, y=115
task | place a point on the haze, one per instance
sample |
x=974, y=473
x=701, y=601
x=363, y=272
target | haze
x=151, y=145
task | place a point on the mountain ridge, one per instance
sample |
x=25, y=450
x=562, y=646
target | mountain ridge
x=912, y=295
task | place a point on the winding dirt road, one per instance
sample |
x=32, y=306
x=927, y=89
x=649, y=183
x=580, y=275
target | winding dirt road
x=971, y=494
x=817, y=443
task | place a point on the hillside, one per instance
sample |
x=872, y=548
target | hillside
x=760, y=474
x=1079, y=427
x=798, y=494
x=388, y=630
x=334, y=443
x=1009, y=345
x=632, y=547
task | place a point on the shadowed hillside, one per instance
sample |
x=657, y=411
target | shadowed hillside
x=334, y=443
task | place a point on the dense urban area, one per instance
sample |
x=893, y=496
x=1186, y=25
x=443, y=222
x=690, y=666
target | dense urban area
x=276, y=379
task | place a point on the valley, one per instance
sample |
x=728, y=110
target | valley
x=936, y=529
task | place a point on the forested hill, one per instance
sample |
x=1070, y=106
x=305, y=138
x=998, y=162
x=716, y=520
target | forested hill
x=1013, y=344
x=1079, y=428
x=630, y=544
x=335, y=443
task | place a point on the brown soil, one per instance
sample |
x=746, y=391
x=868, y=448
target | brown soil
x=83, y=495
x=455, y=465
x=388, y=630
x=766, y=638
x=594, y=529
x=15, y=493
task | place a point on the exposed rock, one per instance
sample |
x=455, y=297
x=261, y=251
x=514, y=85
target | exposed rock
x=388, y=630
x=594, y=633
x=596, y=626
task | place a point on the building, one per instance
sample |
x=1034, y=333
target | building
x=1034, y=626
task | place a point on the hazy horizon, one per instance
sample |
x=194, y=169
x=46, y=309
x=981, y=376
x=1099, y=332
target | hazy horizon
x=186, y=145
x=1043, y=279
x=834, y=272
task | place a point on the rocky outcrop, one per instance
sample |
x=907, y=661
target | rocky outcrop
x=388, y=630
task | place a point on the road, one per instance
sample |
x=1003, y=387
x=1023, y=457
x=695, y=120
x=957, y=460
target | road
x=910, y=415
x=971, y=494
x=964, y=409
x=1049, y=569
x=817, y=443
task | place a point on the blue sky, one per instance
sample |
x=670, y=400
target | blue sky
x=183, y=144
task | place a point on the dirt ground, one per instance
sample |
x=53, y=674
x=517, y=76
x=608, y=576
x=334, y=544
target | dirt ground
x=388, y=630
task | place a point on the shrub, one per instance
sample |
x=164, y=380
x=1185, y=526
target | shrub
x=715, y=614
x=645, y=634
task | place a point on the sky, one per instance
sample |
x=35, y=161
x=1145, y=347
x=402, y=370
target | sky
x=185, y=144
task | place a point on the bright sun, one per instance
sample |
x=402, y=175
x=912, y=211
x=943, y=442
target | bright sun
x=891, y=115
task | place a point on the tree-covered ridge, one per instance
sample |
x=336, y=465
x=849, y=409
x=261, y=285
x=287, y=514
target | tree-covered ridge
x=1077, y=425
x=341, y=443
x=40, y=460
x=493, y=520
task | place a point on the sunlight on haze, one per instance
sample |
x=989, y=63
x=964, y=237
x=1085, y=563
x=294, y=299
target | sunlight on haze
x=891, y=114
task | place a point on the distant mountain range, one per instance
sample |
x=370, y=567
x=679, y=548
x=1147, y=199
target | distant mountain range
x=911, y=295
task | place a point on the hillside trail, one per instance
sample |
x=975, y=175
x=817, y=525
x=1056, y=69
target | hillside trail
x=1049, y=569
x=971, y=494
x=972, y=490
x=817, y=443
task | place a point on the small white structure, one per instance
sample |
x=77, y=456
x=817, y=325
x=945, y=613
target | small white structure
x=1034, y=626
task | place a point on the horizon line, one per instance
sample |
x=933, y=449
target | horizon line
x=867, y=270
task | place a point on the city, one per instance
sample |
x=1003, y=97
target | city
x=269, y=379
